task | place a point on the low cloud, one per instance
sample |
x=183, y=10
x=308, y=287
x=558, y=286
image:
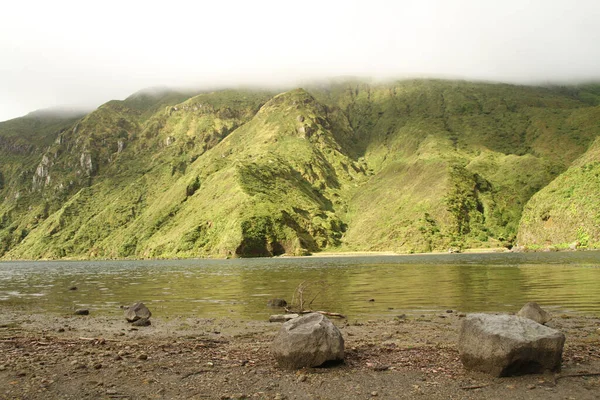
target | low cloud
x=84, y=54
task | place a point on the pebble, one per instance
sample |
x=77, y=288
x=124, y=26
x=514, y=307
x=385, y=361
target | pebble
x=278, y=396
x=60, y=330
x=374, y=393
x=142, y=322
x=143, y=356
x=97, y=366
x=302, y=378
x=82, y=311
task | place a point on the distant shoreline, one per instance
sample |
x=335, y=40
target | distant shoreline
x=393, y=253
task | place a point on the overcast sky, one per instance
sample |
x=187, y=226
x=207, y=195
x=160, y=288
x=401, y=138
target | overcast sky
x=87, y=52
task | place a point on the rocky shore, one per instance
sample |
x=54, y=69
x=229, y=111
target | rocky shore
x=96, y=357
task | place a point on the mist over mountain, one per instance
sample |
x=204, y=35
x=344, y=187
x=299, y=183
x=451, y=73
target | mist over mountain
x=407, y=166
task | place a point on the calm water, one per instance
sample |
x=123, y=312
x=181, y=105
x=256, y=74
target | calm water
x=240, y=288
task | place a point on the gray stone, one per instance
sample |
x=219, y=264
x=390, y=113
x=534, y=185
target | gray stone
x=507, y=345
x=282, y=317
x=137, y=311
x=307, y=341
x=535, y=313
x=82, y=311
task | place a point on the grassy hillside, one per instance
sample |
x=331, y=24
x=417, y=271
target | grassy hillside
x=567, y=211
x=406, y=166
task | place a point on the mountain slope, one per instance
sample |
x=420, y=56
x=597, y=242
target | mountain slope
x=567, y=210
x=406, y=166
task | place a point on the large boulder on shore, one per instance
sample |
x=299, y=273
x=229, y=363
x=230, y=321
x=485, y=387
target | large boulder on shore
x=507, y=345
x=534, y=312
x=308, y=341
x=137, y=311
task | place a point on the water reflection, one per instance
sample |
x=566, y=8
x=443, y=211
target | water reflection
x=240, y=288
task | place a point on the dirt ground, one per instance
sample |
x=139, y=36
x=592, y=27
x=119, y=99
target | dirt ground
x=79, y=357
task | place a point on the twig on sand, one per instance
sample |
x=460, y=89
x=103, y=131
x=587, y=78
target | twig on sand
x=327, y=313
x=583, y=374
x=99, y=339
x=475, y=386
x=197, y=373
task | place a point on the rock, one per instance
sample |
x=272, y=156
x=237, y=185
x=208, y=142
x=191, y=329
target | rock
x=142, y=322
x=137, y=311
x=73, y=288
x=277, y=303
x=507, y=345
x=82, y=311
x=307, y=341
x=282, y=317
x=534, y=312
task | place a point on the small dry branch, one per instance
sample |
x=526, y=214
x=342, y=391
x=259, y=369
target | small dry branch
x=475, y=386
x=583, y=374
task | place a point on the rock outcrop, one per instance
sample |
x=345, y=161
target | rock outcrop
x=535, y=313
x=507, y=345
x=308, y=341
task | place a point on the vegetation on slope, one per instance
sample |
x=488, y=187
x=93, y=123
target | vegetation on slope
x=566, y=211
x=407, y=166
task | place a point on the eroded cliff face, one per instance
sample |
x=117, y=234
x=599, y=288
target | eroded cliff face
x=406, y=166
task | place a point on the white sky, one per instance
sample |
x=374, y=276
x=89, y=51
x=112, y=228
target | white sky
x=87, y=52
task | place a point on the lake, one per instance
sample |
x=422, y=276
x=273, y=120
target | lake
x=360, y=287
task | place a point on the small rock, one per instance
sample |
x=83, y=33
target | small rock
x=277, y=303
x=535, y=313
x=111, y=391
x=97, y=366
x=137, y=311
x=449, y=311
x=302, y=378
x=73, y=288
x=142, y=322
x=282, y=317
x=21, y=373
x=371, y=300
x=143, y=356
x=374, y=393
x=60, y=330
x=82, y=311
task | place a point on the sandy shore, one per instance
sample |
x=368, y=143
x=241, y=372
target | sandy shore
x=79, y=357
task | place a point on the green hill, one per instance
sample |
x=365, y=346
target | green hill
x=407, y=166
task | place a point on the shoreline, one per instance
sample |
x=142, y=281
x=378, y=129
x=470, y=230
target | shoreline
x=75, y=357
x=321, y=254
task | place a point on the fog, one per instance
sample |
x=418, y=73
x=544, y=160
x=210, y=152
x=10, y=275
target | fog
x=81, y=54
